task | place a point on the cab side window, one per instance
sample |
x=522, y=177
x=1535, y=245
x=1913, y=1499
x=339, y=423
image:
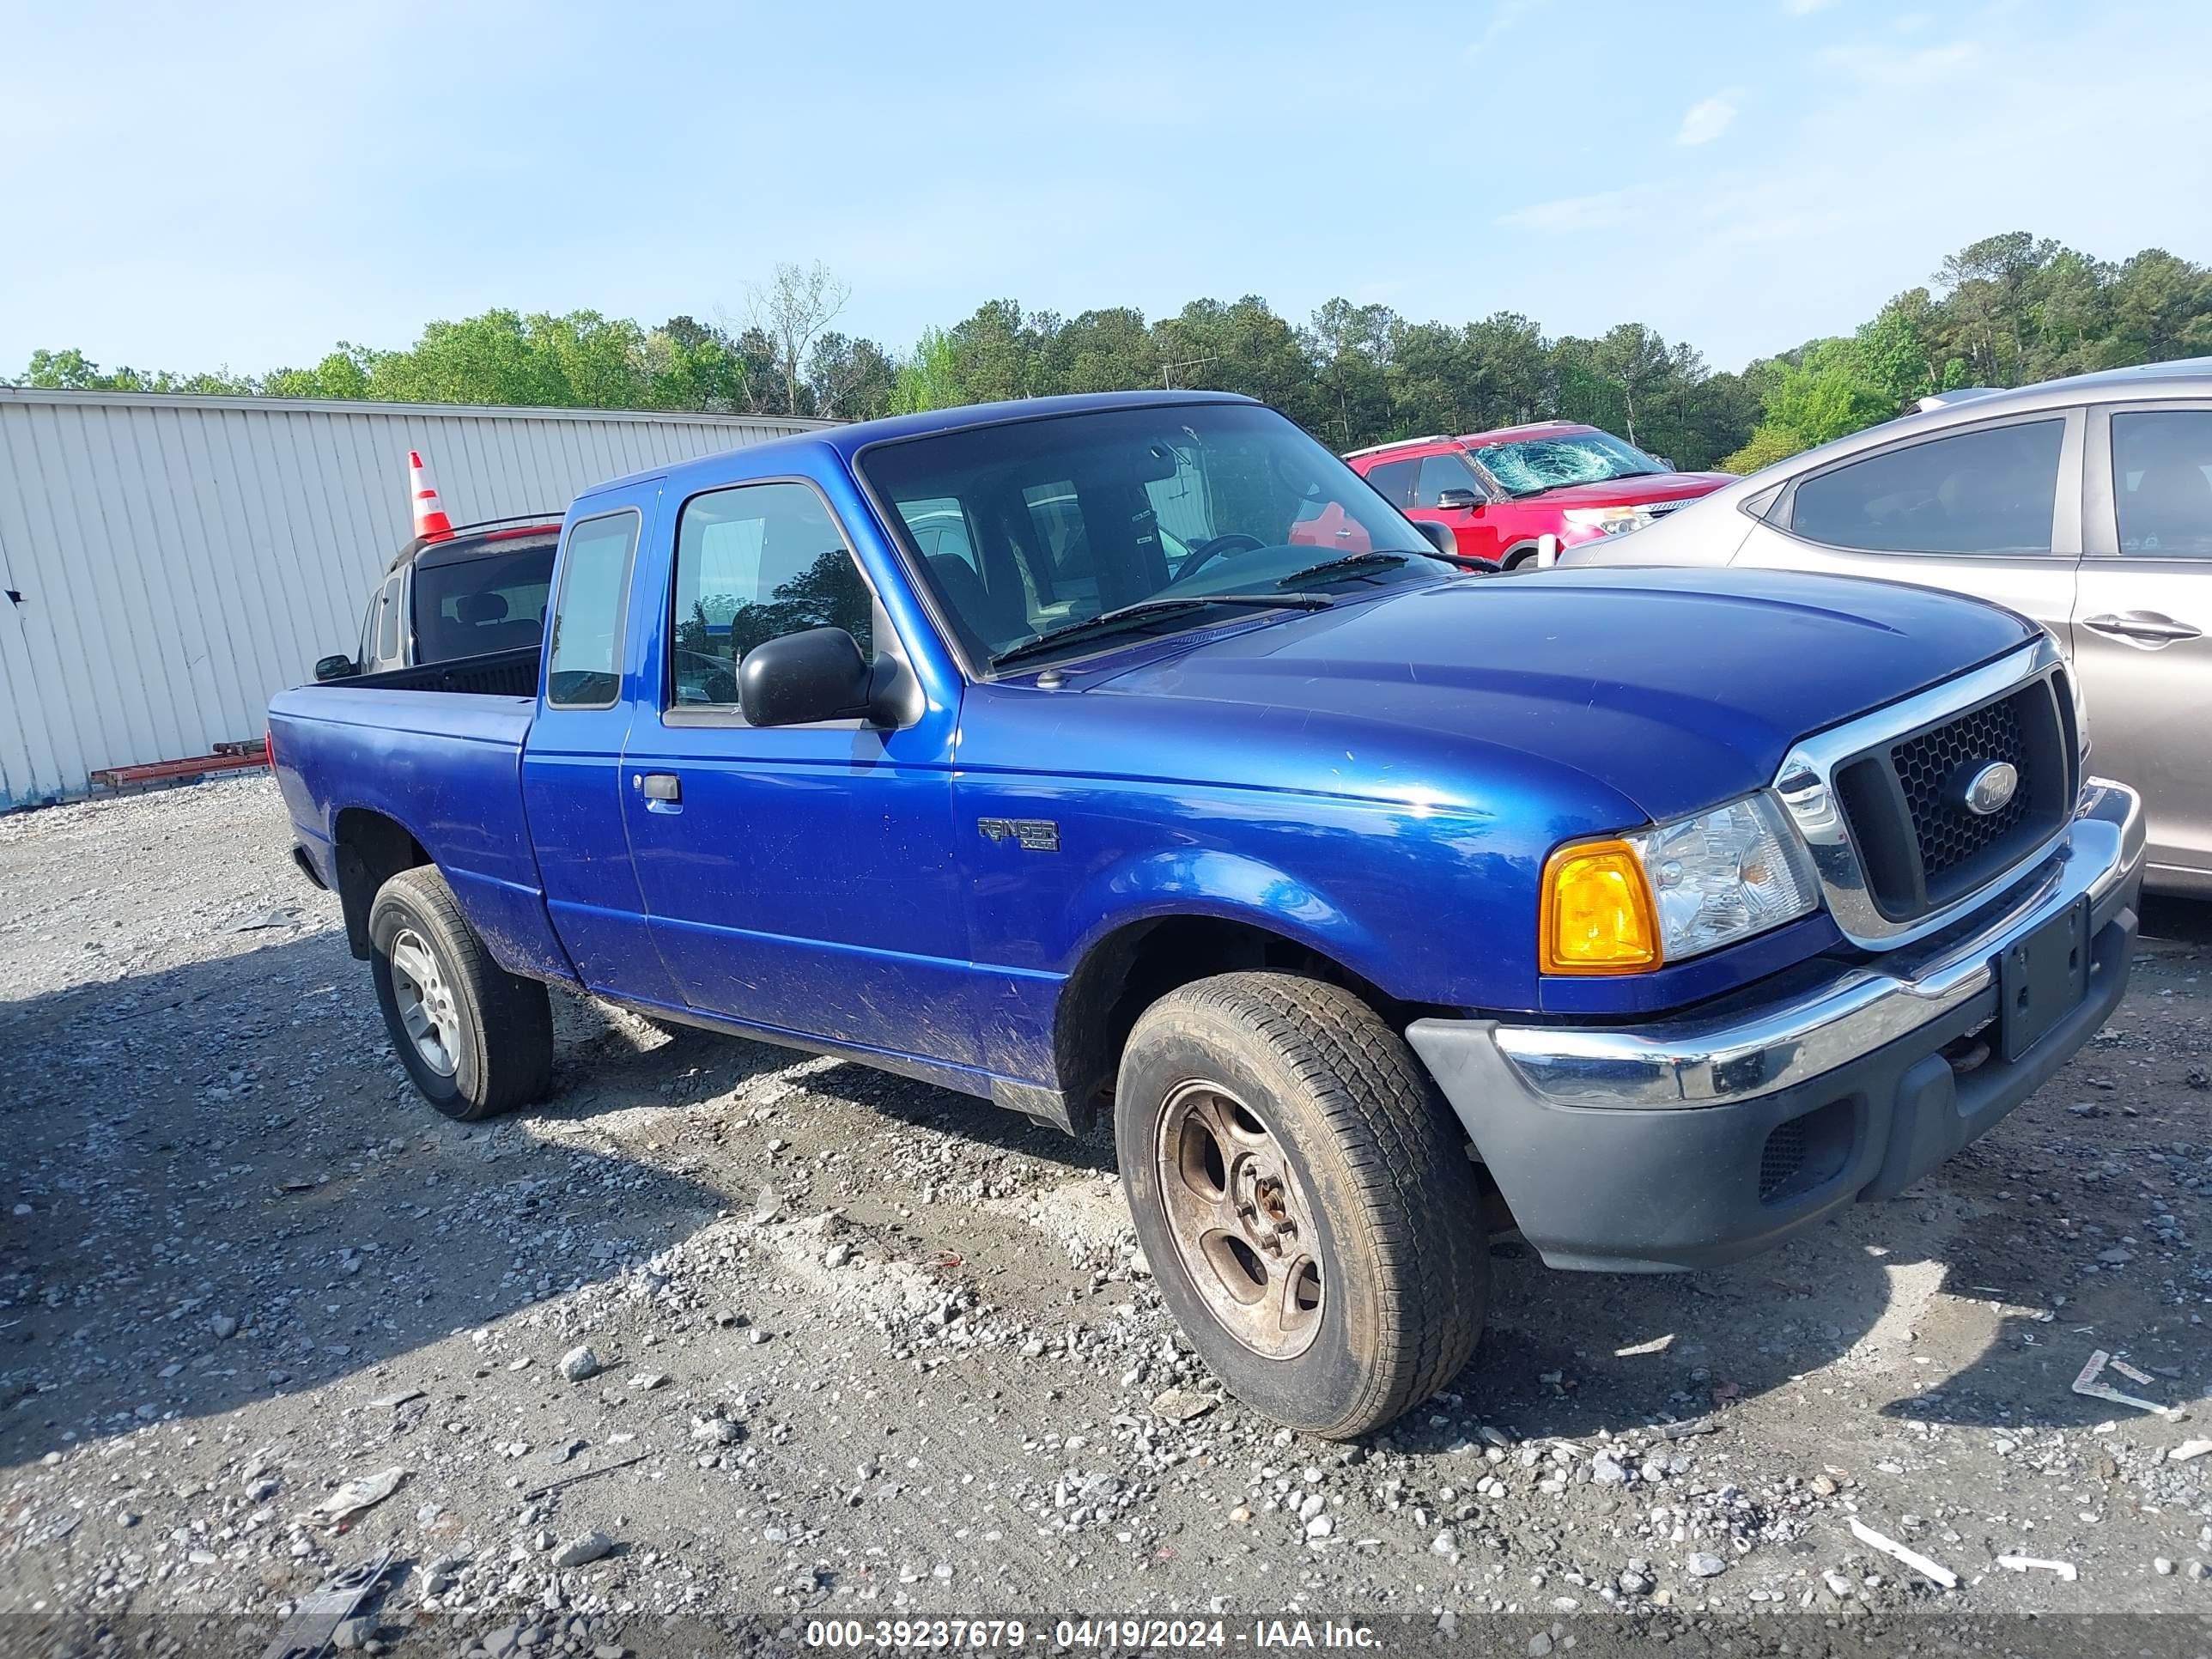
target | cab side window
x=583, y=668
x=1986, y=491
x=2163, y=483
x=387, y=623
x=1395, y=481
x=1440, y=473
x=756, y=562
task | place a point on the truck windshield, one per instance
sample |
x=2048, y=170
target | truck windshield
x=1026, y=527
x=466, y=607
x=1535, y=464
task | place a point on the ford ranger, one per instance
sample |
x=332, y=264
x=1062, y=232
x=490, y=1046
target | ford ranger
x=1037, y=751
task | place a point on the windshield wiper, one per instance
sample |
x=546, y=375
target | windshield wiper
x=1107, y=621
x=1347, y=560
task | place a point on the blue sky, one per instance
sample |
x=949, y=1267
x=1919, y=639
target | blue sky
x=241, y=186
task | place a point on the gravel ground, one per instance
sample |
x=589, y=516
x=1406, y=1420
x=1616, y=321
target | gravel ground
x=730, y=1336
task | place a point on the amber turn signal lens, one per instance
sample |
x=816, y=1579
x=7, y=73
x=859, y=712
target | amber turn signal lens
x=1598, y=916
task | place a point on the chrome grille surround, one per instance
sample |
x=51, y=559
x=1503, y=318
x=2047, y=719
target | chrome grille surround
x=1805, y=783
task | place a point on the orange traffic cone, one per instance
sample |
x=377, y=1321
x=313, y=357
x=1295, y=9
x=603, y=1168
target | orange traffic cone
x=431, y=523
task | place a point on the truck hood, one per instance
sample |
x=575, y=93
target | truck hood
x=1629, y=492
x=1674, y=689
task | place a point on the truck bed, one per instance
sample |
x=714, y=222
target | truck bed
x=496, y=673
x=441, y=761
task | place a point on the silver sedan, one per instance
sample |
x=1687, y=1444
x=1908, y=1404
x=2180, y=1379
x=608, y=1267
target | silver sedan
x=2084, y=503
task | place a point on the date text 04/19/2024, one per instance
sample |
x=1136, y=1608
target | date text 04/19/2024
x=1088, y=1634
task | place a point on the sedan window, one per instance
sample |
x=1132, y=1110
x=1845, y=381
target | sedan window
x=1987, y=491
x=2163, y=483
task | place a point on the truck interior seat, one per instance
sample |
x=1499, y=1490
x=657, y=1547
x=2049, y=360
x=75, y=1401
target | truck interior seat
x=490, y=628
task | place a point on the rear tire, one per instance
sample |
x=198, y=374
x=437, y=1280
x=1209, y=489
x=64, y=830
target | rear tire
x=476, y=1039
x=1304, y=1198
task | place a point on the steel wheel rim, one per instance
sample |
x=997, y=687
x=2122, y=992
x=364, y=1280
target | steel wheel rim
x=427, y=1013
x=1242, y=1225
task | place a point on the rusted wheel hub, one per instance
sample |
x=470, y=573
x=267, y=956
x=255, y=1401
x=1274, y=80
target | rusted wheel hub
x=1240, y=1219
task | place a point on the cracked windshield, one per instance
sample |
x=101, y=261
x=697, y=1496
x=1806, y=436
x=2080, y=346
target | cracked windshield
x=1049, y=529
x=1532, y=467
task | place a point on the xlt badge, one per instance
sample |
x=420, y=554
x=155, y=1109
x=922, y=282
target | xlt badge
x=1038, y=834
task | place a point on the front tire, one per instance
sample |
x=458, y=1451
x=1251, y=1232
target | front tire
x=476, y=1039
x=1304, y=1198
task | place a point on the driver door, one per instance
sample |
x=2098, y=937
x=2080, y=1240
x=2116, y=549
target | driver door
x=1441, y=489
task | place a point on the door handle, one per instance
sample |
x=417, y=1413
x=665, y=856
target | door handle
x=2150, y=627
x=663, y=791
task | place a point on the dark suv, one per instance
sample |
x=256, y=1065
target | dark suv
x=478, y=590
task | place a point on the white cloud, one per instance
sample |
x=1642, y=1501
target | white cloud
x=1569, y=213
x=1708, y=118
x=1502, y=16
x=1897, y=67
x=1805, y=7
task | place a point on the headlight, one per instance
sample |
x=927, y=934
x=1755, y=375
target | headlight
x=1629, y=903
x=1607, y=520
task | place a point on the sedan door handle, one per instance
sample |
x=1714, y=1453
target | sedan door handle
x=2146, y=627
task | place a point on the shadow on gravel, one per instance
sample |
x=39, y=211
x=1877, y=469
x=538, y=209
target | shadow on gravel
x=2168, y=920
x=233, y=1195
x=230, y=1140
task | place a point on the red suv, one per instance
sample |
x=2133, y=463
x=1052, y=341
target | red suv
x=1497, y=492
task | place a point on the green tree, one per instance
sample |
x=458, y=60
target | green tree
x=931, y=378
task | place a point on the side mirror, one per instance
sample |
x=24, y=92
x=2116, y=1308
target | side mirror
x=817, y=674
x=1458, y=500
x=334, y=668
x=1440, y=535
x=1664, y=462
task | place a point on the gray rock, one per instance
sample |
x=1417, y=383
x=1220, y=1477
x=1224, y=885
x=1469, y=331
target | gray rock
x=579, y=1363
x=503, y=1641
x=224, y=1327
x=1539, y=1645
x=354, y=1633
x=591, y=1546
x=1606, y=1470
x=1705, y=1565
x=2162, y=1567
x=1181, y=1405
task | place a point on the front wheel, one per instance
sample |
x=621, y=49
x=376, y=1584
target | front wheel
x=1304, y=1198
x=476, y=1039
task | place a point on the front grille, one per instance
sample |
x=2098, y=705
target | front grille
x=1920, y=844
x=1932, y=769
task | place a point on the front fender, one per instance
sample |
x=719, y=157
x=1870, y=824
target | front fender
x=1226, y=886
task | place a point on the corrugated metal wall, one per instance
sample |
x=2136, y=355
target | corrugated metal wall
x=178, y=560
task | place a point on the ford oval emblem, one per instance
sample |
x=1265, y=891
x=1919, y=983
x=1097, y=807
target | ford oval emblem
x=1990, y=790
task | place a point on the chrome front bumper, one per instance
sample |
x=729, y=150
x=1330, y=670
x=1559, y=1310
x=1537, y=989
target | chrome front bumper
x=1714, y=1057
x=1697, y=1141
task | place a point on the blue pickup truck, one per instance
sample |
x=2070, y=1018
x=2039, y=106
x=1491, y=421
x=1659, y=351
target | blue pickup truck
x=1130, y=754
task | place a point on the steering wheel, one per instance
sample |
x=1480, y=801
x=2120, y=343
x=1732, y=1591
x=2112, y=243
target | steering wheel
x=1207, y=551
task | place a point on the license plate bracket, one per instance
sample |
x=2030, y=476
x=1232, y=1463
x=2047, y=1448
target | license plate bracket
x=2041, y=978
